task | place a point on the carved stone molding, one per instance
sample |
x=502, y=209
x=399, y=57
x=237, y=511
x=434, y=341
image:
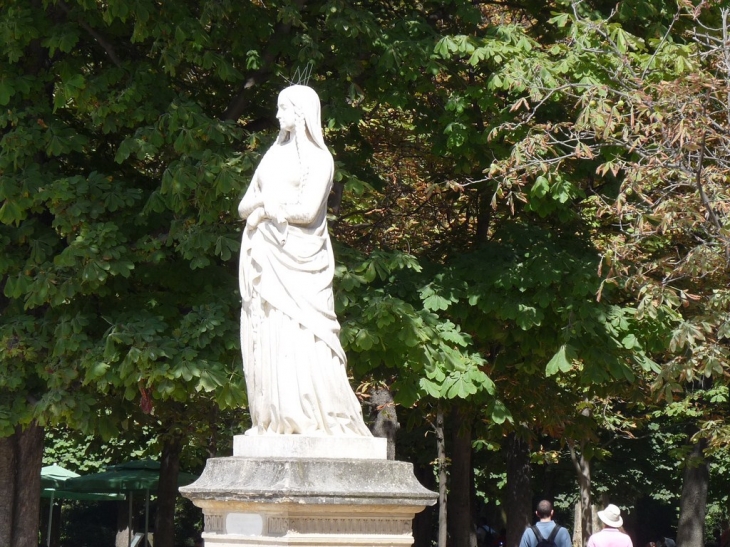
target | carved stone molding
x=329, y=525
x=214, y=522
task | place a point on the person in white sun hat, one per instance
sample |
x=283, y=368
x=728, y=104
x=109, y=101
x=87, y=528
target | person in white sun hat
x=610, y=536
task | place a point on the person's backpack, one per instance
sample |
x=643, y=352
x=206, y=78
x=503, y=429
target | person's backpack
x=550, y=541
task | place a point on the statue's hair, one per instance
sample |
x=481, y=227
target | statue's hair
x=300, y=133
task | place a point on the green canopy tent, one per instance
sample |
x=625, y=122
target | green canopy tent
x=53, y=479
x=126, y=478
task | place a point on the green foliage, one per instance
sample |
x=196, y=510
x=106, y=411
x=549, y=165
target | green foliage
x=522, y=225
x=657, y=172
x=528, y=297
x=119, y=186
x=385, y=327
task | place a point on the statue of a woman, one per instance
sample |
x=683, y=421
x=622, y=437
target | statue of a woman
x=293, y=361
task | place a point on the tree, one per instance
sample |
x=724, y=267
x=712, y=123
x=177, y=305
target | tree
x=18, y=512
x=530, y=199
x=120, y=179
x=114, y=289
x=464, y=58
x=643, y=132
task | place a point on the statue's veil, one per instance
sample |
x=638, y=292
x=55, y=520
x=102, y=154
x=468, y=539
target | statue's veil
x=306, y=101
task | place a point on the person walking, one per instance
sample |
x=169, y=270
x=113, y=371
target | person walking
x=610, y=535
x=545, y=532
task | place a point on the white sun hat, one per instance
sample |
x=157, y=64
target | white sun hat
x=611, y=516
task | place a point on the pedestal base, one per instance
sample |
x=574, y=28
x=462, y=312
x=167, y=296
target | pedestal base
x=299, y=501
x=310, y=447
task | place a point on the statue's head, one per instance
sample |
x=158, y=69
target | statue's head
x=307, y=108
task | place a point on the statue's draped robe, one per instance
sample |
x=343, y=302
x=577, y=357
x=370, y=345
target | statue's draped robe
x=294, y=363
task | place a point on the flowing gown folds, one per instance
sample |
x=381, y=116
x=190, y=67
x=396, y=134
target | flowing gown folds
x=294, y=363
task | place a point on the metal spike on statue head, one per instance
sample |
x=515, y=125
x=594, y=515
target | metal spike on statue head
x=302, y=75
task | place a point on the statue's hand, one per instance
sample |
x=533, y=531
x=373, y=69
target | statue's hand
x=256, y=216
x=277, y=213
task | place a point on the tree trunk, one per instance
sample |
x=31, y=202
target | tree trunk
x=582, y=467
x=518, y=504
x=461, y=522
x=484, y=216
x=443, y=486
x=123, y=532
x=28, y=486
x=693, y=503
x=21, y=459
x=577, y=531
x=7, y=487
x=167, y=492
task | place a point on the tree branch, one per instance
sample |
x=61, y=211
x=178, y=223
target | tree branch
x=103, y=42
x=706, y=201
x=238, y=104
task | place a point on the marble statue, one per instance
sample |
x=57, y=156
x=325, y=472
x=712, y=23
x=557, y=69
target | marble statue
x=293, y=361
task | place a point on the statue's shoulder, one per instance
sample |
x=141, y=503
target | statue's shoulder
x=320, y=154
x=322, y=159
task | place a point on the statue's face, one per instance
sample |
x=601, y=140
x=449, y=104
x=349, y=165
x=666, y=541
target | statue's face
x=285, y=114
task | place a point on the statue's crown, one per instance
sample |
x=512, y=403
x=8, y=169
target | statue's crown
x=302, y=75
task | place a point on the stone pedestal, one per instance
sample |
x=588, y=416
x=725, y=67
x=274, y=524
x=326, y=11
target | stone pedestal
x=308, y=491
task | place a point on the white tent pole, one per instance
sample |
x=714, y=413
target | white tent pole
x=146, y=517
x=50, y=520
x=129, y=519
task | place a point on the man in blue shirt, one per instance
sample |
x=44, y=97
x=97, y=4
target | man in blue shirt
x=545, y=526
